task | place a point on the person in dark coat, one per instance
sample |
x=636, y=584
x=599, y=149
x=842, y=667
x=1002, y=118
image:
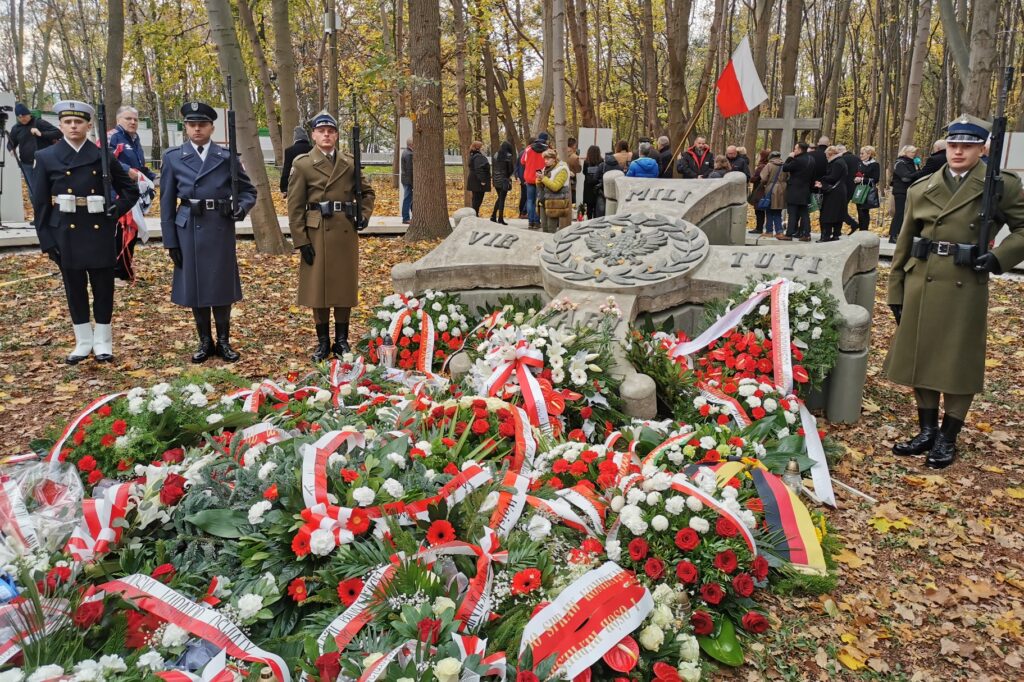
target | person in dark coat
x=737, y=162
x=126, y=134
x=697, y=161
x=300, y=145
x=29, y=135
x=757, y=191
x=852, y=166
x=479, y=180
x=904, y=173
x=520, y=170
x=801, y=170
x=820, y=160
x=76, y=225
x=868, y=172
x=198, y=226
x=833, y=189
x=503, y=170
x=665, y=156
x=935, y=161
x=593, y=192
x=406, y=178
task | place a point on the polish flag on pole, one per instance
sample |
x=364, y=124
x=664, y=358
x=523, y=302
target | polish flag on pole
x=739, y=86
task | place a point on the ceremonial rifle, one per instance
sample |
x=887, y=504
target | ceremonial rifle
x=233, y=151
x=101, y=133
x=993, y=193
x=357, y=171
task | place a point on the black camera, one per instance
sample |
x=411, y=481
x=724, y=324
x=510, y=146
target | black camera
x=6, y=107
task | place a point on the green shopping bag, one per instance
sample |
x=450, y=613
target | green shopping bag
x=815, y=204
x=860, y=194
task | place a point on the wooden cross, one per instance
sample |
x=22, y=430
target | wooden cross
x=788, y=124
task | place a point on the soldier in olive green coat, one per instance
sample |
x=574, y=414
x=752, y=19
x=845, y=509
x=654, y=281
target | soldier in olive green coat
x=938, y=289
x=321, y=194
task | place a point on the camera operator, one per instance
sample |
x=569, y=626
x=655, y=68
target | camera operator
x=27, y=136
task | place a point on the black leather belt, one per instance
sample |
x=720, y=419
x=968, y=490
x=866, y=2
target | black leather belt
x=963, y=254
x=336, y=206
x=204, y=204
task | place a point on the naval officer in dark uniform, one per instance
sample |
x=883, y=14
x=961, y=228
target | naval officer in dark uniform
x=76, y=225
x=198, y=228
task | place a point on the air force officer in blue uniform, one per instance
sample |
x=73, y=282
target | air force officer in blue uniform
x=199, y=228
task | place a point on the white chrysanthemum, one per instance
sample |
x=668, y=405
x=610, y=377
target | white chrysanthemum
x=174, y=636
x=257, y=511
x=266, y=469
x=539, y=528
x=13, y=675
x=159, y=404
x=675, y=505
x=198, y=400
x=249, y=605
x=160, y=389
x=46, y=672
x=708, y=443
x=700, y=525
x=659, y=523
x=394, y=488
x=321, y=542
x=363, y=496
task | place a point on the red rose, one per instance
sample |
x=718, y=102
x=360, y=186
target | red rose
x=164, y=573
x=726, y=528
x=760, y=568
x=481, y=426
x=507, y=429
x=687, y=539
x=743, y=585
x=686, y=572
x=638, y=549
x=172, y=490
x=460, y=428
x=270, y=494
x=328, y=666
x=95, y=476
x=119, y=427
x=87, y=464
x=726, y=561
x=754, y=622
x=348, y=590
x=585, y=412
x=429, y=630
x=712, y=593
x=88, y=614
x=526, y=676
x=702, y=623
x=173, y=456
x=654, y=568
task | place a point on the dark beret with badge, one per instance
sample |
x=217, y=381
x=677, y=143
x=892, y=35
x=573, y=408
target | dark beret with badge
x=198, y=112
x=968, y=130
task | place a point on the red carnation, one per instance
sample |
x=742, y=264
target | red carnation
x=686, y=572
x=481, y=426
x=119, y=427
x=172, y=490
x=95, y=476
x=754, y=622
x=440, y=532
x=164, y=573
x=271, y=494
x=87, y=463
x=560, y=466
x=687, y=539
x=592, y=546
x=104, y=411
x=654, y=568
x=328, y=666
x=526, y=676
x=349, y=475
x=726, y=528
x=743, y=585
x=297, y=590
x=429, y=630
x=759, y=568
x=712, y=593
x=726, y=561
x=108, y=440
x=348, y=590
x=88, y=614
x=702, y=623
x=526, y=580
x=638, y=549
x=507, y=429
x=358, y=521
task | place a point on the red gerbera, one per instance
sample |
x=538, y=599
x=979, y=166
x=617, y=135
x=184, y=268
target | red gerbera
x=300, y=543
x=526, y=580
x=358, y=521
x=440, y=532
x=297, y=590
x=348, y=590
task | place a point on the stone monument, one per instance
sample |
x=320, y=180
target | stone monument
x=673, y=246
x=12, y=210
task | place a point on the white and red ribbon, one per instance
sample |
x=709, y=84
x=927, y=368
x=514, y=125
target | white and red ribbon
x=99, y=531
x=689, y=489
x=314, y=464
x=471, y=645
x=476, y=604
x=215, y=670
x=347, y=625
x=425, y=354
x=20, y=624
x=519, y=362
x=69, y=430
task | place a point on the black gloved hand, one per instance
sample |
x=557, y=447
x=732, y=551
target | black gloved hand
x=987, y=262
x=308, y=254
x=362, y=225
x=175, y=255
x=897, y=311
x=111, y=212
x=239, y=215
x=53, y=254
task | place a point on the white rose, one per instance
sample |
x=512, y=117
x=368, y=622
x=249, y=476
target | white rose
x=249, y=605
x=447, y=669
x=442, y=604
x=363, y=496
x=174, y=636
x=700, y=525
x=151, y=660
x=321, y=542
x=257, y=511
x=690, y=671
x=659, y=523
x=689, y=649
x=652, y=637
x=662, y=616
x=539, y=528
x=816, y=333
x=663, y=594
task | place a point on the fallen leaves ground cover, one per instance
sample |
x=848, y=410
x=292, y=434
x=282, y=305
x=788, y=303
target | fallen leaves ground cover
x=932, y=584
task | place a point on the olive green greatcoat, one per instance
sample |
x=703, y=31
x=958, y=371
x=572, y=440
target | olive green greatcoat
x=333, y=278
x=940, y=342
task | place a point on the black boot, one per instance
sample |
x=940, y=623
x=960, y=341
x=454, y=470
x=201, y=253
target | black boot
x=222, y=316
x=205, y=350
x=928, y=418
x=341, y=346
x=323, y=342
x=944, y=451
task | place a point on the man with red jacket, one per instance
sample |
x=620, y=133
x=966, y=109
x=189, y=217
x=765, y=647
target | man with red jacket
x=697, y=161
x=533, y=162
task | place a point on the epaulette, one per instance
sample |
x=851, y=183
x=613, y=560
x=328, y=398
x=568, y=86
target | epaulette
x=923, y=177
x=300, y=156
x=172, y=149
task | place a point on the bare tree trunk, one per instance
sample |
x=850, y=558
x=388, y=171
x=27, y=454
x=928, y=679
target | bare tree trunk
x=677, y=22
x=463, y=127
x=17, y=19
x=265, y=228
x=266, y=86
x=430, y=220
x=828, y=124
x=44, y=69
x=977, y=97
x=558, y=73
x=790, y=50
x=650, y=68
x=489, y=87
x=956, y=41
x=285, y=63
x=762, y=19
x=913, y=99
x=540, y=117
x=506, y=109
x=709, y=63
x=576, y=16
x=114, y=61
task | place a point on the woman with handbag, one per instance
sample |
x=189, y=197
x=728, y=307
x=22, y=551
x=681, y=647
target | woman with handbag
x=773, y=179
x=833, y=189
x=553, y=201
x=902, y=177
x=868, y=173
x=758, y=192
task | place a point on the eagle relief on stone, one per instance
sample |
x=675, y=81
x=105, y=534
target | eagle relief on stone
x=625, y=249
